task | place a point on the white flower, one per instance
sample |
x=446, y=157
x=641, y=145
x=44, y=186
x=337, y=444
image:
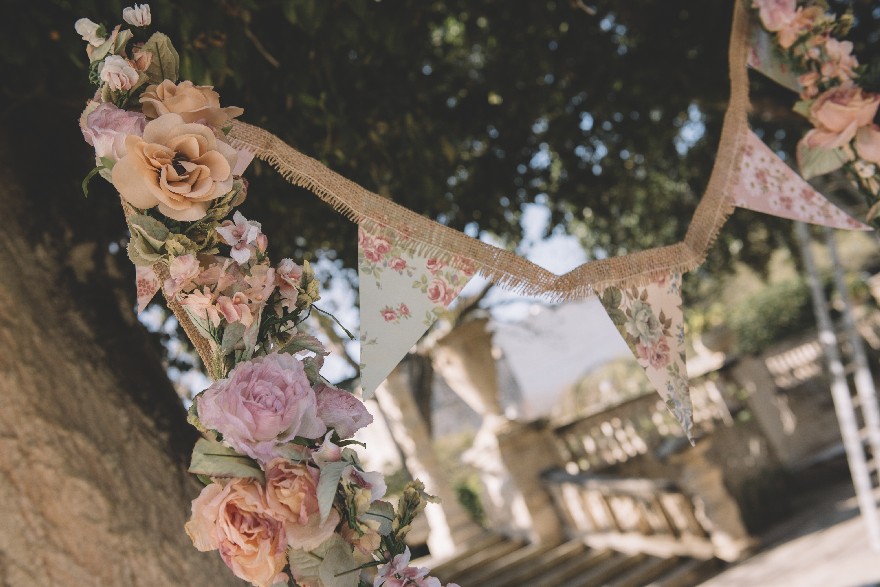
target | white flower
x=137, y=15
x=89, y=31
x=118, y=73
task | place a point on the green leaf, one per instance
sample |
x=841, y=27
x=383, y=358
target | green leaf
x=165, y=63
x=802, y=107
x=232, y=335
x=817, y=161
x=383, y=513
x=331, y=473
x=87, y=179
x=121, y=41
x=152, y=230
x=339, y=568
x=213, y=459
x=302, y=341
x=611, y=298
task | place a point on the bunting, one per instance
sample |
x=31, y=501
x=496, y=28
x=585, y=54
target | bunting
x=764, y=183
x=402, y=293
x=651, y=321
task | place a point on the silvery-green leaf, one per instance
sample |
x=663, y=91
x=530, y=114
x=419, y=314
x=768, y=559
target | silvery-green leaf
x=293, y=452
x=304, y=342
x=331, y=473
x=306, y=566
x=153, y=230
x=249, y=336
x=165, y=63
x=339, y=568
x=817, y=161
x=214, y=459
x=232, y=335
x=381, y=512
x=139, y=254
x=121, y=41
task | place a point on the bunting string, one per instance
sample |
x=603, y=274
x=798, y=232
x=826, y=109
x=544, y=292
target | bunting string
x=379, y=215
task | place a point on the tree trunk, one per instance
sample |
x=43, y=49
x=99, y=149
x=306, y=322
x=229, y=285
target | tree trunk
x=93, y=439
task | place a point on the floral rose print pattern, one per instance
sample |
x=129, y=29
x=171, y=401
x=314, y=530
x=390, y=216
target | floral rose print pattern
x=402, y=294
x=147, y=285
x=766, y=184
x=652, y=324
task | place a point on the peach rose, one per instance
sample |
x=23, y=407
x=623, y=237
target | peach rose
x=837, y=114
x=868, y=143
x=193, y=103
x=236, y=520
x=292, y=494
x=178, y=166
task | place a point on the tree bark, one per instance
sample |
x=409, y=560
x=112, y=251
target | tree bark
x=93, y=439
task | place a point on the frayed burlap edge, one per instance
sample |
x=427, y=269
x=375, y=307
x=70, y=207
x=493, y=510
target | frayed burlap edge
x=504, y=268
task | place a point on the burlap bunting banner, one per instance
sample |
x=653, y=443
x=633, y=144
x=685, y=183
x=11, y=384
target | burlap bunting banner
x=651, y=321
x=402, y=293
x=766, y=184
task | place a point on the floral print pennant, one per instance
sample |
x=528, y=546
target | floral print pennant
x=147, y=285
x=652, y=324
x=402, y=293
x=766, y=184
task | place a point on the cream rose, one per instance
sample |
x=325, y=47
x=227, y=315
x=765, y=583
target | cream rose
x=193, y=103
x=838, y=114
x=118, y=73
x=292, y=494
x=236, y=520
x=177, y=166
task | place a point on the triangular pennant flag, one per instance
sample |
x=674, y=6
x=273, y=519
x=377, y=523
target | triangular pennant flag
x=764, y=56
x=652, y=324
x=402, y=293
x=766, y=184
x=147, y=285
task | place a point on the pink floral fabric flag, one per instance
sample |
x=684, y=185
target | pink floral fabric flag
x=147, y=286
x=652, y=324
x=766, y=184
x=765, y=56
x=402, y=293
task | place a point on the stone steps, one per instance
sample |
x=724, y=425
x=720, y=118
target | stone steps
x=496, y=562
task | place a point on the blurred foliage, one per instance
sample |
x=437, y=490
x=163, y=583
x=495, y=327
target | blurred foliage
x=462, y=111
x=773, y=314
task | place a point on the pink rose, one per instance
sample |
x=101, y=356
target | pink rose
x=837, y=114
x=403, y=310
x=808, y=82
x=434, y=265
x=341, y=410
x=292, y=495
x=263, y=402
x=382, y=245
x=868, y=143
x=775, y=14
x=397, y=264
x=107, y=126
x=439, y=292
x=388, y=314
x=655, y=354
x=236, y=520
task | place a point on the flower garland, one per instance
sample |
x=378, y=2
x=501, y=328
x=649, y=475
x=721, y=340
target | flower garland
x=286, y=501
x=845, y=134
